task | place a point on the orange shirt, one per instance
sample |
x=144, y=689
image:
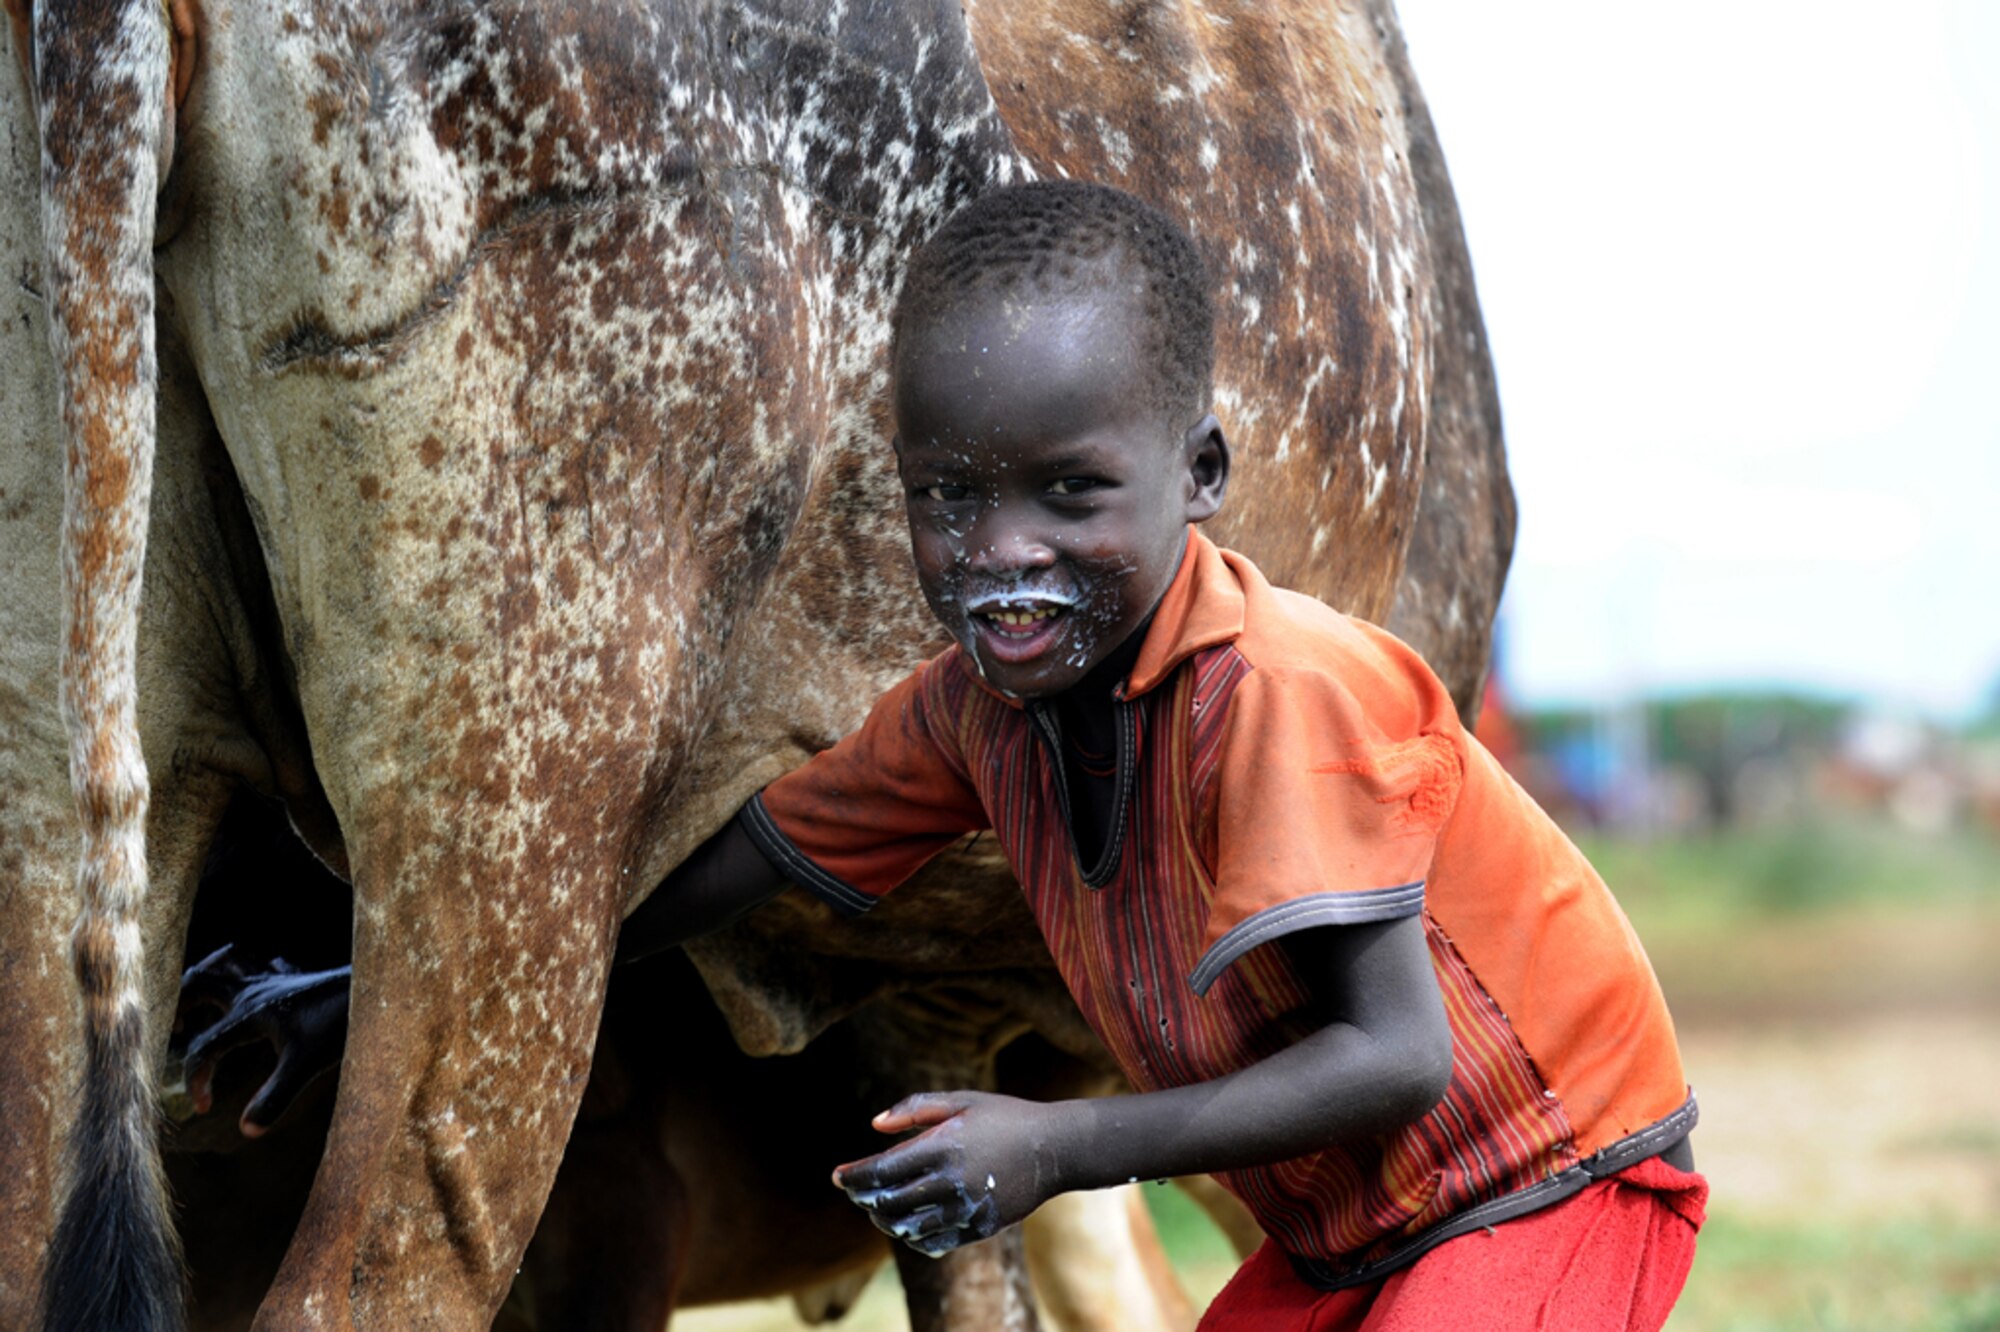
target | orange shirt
x=1280, y=767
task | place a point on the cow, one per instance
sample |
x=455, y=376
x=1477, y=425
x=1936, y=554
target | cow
x=510, y=421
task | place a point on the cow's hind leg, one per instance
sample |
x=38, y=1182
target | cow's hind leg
x=38, y=1023
x=1098, y=1265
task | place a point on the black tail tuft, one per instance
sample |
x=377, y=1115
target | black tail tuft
x=114, y=1264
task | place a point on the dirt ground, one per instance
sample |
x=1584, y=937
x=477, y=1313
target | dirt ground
x=1848, y=1066
x=1856, y=1171
x=1902, y=1114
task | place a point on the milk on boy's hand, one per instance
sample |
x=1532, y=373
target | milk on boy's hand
x=943, y=1187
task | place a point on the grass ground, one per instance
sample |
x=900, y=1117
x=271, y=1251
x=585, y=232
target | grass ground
x=1837, y=989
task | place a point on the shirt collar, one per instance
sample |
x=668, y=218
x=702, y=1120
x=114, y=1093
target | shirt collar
x=1203, y=607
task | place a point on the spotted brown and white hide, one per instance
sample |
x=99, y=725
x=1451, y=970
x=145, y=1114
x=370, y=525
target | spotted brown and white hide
x=546, y=344
x=94, y=231
x=1463, y=539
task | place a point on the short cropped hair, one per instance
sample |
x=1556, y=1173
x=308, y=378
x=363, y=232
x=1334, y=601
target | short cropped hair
x=1049, y=236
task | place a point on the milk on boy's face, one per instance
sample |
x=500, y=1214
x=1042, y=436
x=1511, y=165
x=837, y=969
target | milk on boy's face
x=1048, y=494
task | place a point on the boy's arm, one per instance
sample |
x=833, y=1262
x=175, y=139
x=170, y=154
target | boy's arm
x=725, y=878
x=305, y=1016
x=1382, y=1060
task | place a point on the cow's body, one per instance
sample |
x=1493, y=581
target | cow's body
x=546, y=348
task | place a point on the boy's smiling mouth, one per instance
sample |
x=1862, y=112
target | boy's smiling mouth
x=1015, y=628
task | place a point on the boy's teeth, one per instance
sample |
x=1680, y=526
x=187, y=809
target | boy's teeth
x=1022, y=617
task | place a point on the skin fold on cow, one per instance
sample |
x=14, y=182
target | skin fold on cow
x=551, y=517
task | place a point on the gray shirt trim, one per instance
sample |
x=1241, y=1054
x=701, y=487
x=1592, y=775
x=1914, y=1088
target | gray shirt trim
x=1334, y=908
x=763, y=830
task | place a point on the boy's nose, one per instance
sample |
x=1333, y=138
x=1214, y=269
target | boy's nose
x=999, y=548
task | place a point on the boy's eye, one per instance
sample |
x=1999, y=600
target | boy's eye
x=1073, y=485
x=945, y=494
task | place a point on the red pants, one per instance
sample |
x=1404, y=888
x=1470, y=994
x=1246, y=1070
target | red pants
x=1614, y=1256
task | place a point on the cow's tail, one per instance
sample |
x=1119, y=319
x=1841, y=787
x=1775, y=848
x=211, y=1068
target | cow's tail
x=101, y=75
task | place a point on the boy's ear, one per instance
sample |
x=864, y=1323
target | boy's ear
x=1206, y=454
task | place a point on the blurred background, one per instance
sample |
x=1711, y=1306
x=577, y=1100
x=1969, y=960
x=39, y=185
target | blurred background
x=1740, y=264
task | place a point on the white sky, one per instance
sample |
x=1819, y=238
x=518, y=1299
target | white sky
x=1740, y=264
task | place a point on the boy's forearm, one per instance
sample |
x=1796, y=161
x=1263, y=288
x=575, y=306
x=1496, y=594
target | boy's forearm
x=1336, y=1085
x=1381, y=1059
x=724, y=878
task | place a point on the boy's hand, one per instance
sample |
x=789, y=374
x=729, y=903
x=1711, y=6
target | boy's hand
x=303, y=1016
x=983, y=1163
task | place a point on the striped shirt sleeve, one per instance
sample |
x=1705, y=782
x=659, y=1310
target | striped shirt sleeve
x=860, y=818
x=1328, y=809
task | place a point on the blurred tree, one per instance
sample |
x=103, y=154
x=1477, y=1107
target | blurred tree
x=1714, y=736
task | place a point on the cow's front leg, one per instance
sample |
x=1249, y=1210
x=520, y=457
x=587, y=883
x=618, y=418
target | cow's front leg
x=482, y=944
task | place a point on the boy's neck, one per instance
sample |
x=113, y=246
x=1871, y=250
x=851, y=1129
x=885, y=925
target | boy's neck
x=1085, y=708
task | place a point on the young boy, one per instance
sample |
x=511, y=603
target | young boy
x=1349, y=967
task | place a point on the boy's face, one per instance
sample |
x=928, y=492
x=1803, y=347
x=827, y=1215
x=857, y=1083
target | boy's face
x=1048, y=496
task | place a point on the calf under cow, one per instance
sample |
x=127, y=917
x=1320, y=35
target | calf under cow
x=465, y=423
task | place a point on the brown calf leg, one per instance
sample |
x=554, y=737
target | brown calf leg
x=1098, y=1265
x=943, y=1040
x=614, y=1236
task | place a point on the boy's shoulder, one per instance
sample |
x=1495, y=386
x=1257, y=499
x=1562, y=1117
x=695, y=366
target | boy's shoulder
x=1296, y=642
